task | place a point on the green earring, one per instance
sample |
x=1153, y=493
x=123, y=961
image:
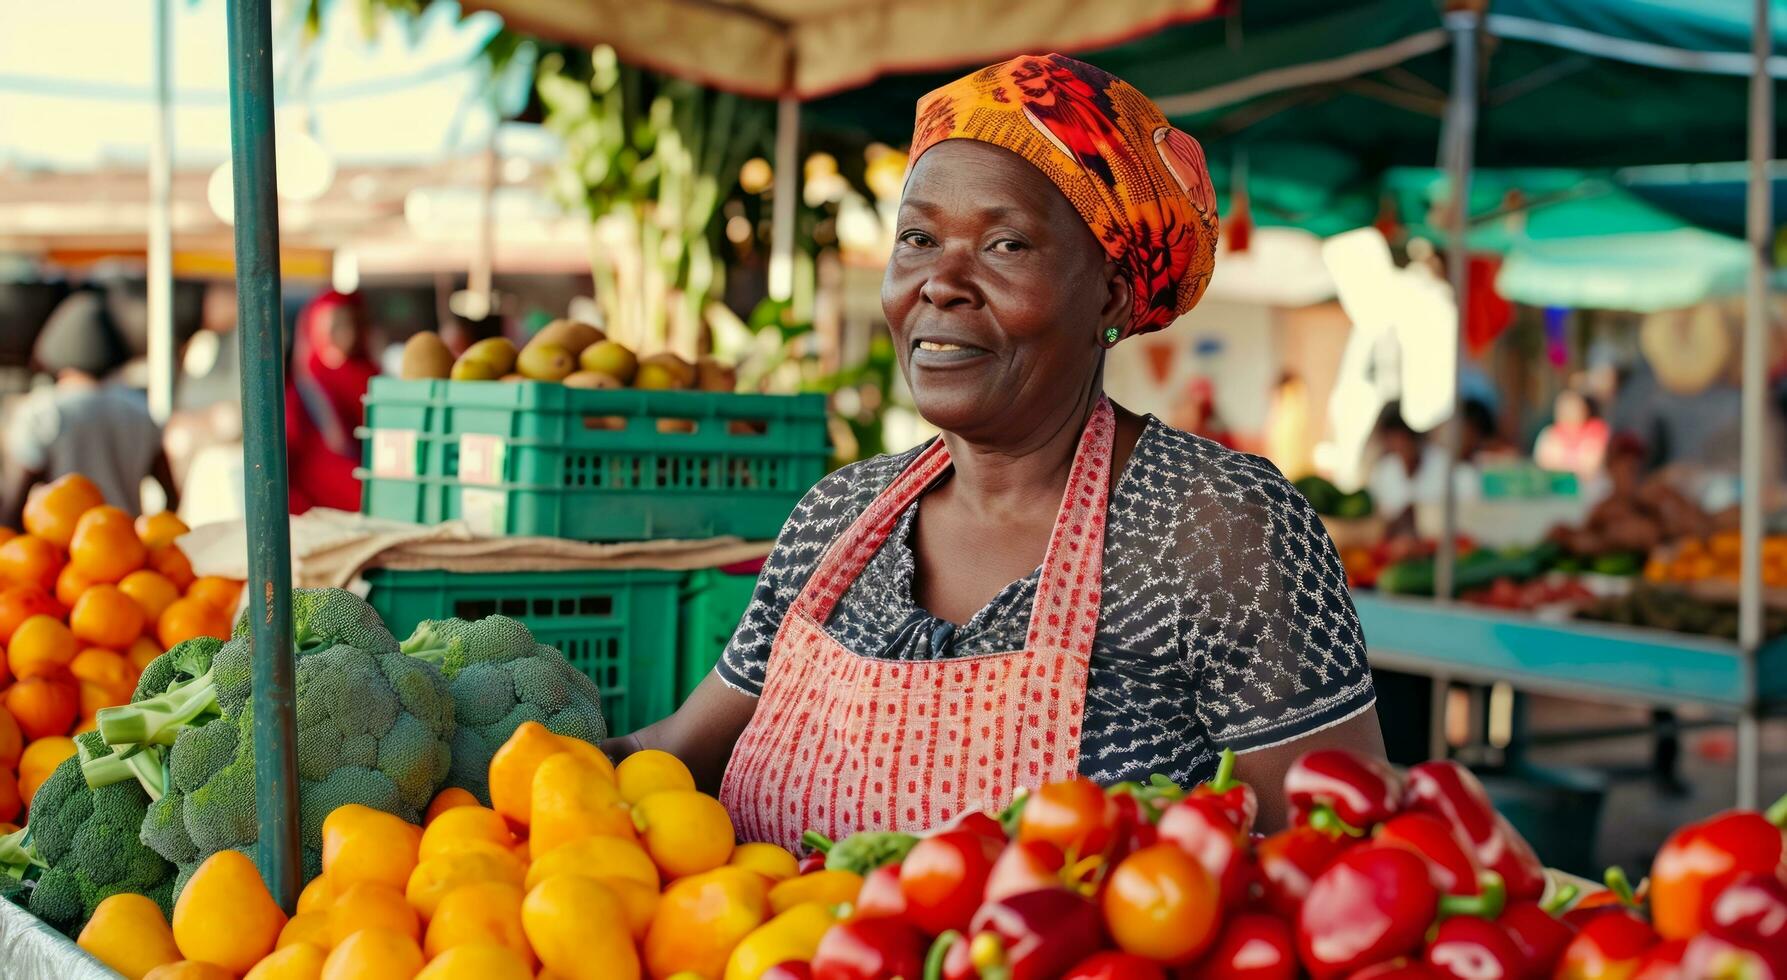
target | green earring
x=1110, y=336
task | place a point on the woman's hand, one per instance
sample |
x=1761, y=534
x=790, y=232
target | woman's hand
x=701, y=733
x=1264, y=769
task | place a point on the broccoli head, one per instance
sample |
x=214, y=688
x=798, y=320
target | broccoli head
x=186, y=661
x=322, y=618
x=374, y=727
x=500, y=677
x=84, y=844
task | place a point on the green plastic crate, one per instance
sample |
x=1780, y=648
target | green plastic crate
x=713, y=602
x=618, y=627
x=535, y=459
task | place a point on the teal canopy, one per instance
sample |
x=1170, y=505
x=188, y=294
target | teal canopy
x=1319, y=99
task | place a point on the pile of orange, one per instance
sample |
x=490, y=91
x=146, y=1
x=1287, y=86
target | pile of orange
x=87, y=598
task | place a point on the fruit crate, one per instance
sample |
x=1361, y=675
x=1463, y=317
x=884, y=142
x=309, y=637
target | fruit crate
x=537, y=459
x=618, y=627
x=713, y=601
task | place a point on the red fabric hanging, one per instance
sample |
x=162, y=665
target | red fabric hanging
x=1489, y=315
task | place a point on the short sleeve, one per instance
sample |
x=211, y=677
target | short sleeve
x=824, y=513
x=32, y=431
x=1284, y=656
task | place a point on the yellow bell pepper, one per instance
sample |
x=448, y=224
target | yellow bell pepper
x=826, y=887
x=791, y=935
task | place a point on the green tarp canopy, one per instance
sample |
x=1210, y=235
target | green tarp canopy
x=1318, y=100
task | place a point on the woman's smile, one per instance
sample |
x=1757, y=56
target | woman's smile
x=939, y=353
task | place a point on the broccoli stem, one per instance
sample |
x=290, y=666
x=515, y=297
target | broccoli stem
x=145, y=764
x=157, y=720
x=17, y=856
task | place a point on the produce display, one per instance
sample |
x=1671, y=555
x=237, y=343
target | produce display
x=1715, y=558
x=88, y=599
x=579, y=868
x=567, y=352
x=166, y=781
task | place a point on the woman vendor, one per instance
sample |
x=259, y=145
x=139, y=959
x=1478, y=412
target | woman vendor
x=1054, y=585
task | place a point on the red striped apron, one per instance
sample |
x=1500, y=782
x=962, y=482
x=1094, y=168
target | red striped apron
x=841, y=742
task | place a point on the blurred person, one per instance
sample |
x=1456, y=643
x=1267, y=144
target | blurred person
x=330, y=369
x=1196, y=413
x=1411, y=470
x=85, y=422
x=1575, y=441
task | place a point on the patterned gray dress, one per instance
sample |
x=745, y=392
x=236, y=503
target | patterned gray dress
x=1226, y=619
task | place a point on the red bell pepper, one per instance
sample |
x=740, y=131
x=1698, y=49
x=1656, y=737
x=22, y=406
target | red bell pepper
x=943, y=878
x=1540, y=935
x=1469, y=948
x=870, y=949
x=1252, y=947
x=791, y=970
x=1135, y=825
x=1027, y=937
x=1361, y=791
x=1455, y=871
x=1751, y=909
x=1699, y=860
x=984, y=824
x=813, y=861
x=1075, y=815
x=1374, y=903
x=1618, y=896
x=1608, y=948
x=1451, y=792
x=1397, y=969
x=1025, y=866
x=1115, y=966
x=1290, y=860
x=1200, y=826
x=1710, y=957
x=1237, y=798
x=1662, y=961
x=880, y=896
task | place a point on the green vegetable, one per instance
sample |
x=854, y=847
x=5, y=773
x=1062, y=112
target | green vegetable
x=374, y=728
x=82, y=847
x=500, y=678
x=863, y=852
x=1324, y=497
x=1354, y=505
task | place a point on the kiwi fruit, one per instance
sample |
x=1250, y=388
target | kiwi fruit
x=610, y=358
x=425, y=356
x=711, y=375
x=498, y=352
x=546, y=362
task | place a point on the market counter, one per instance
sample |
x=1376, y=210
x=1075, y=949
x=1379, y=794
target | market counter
x=1573, y=658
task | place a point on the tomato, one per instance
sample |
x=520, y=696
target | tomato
x=943, y=878
x=1075, y=815
x=1161, y=904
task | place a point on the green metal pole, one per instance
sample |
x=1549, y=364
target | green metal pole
x=263, y=445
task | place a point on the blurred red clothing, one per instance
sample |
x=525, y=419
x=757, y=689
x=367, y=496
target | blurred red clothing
x=330, y=372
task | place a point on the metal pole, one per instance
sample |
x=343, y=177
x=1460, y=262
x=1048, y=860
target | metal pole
x=263, y=450
x=161, y=232
x=1754, y=391
x=481, y=277
x=787, y=187
x=1458, y=143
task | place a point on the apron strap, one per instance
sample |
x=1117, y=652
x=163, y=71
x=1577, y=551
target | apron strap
x=1065, y=616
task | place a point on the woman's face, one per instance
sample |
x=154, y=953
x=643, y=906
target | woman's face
x=996, y=293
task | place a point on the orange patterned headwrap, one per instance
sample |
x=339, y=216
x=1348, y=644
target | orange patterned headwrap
x=1141, y=185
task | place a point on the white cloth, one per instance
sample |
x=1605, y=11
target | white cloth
x=1393, y=490
x=103, y=432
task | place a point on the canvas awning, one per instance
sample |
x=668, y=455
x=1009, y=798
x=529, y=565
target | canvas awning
x=810, y=48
